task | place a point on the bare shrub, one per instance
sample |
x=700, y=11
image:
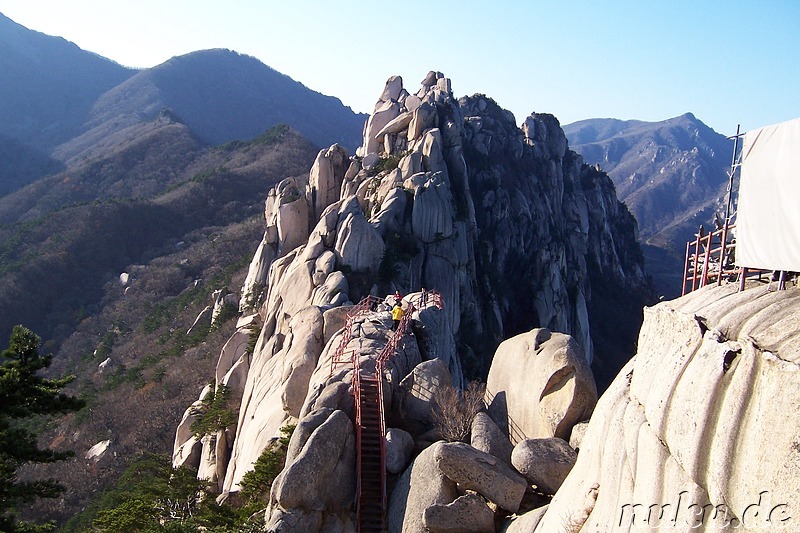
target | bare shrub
x=455, y=410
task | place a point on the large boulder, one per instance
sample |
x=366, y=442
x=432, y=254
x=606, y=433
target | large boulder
x=487, y=437
x=399, y=447
x=319, y=477
x=333, y=291
x=359, y=246
x=96, y=452
x=544, y=462
x=419, y=391
x=539, y=386
x=467, y=514
x=392, y=90
x=485, y=474
x=421, y=486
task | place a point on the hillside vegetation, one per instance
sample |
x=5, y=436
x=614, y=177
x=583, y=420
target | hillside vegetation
x=53, y=266
x=59, y=275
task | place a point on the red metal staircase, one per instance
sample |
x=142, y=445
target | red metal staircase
x=370, y=453
x=367, y=389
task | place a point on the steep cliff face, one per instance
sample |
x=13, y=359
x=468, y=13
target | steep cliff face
x=698, y=430
x=506, y=224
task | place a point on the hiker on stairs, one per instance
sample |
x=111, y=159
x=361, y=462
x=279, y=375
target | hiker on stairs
x=397, y=316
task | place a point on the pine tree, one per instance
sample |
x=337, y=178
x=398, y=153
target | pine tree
x=24, y=395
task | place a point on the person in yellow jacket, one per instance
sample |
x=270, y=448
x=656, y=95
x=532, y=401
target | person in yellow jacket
x=397, y=316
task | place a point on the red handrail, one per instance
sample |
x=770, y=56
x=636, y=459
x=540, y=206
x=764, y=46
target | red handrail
x=362, y=308
x=365, y=307
x=712, y=260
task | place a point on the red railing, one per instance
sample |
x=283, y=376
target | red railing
x=710, y=259
x=367, y=391
x=426, y=298
x=361, y=309
x=356, y=387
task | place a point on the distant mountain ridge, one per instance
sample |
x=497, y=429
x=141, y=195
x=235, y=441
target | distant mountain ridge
x=61, y=106
x=221, y=96
x=671, y=174
x=48, y=87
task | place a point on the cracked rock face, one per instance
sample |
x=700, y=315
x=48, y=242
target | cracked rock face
x=699, y=416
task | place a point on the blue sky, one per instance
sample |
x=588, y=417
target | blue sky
x=728, y=62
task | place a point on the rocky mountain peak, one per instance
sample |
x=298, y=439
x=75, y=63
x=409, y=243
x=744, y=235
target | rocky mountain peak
x=506, y=224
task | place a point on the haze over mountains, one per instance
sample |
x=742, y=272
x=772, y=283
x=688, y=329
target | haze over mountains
x=77, y=129
x=60, y=105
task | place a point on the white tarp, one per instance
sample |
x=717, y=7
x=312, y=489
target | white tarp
x=768, y=218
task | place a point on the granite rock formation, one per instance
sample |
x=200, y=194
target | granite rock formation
x=694, y=433
x=506, y=224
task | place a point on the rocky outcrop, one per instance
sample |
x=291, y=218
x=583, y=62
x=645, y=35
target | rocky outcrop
x=539, y=386
x=696, y=422
x=505, y=224
x=421, y=486
x=452, y=156
x=318, y=481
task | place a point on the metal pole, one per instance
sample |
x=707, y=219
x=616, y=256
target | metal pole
x=730, y=176
x=696, y=257
x=685, y=270
x=728, y=205
x=706, y=258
